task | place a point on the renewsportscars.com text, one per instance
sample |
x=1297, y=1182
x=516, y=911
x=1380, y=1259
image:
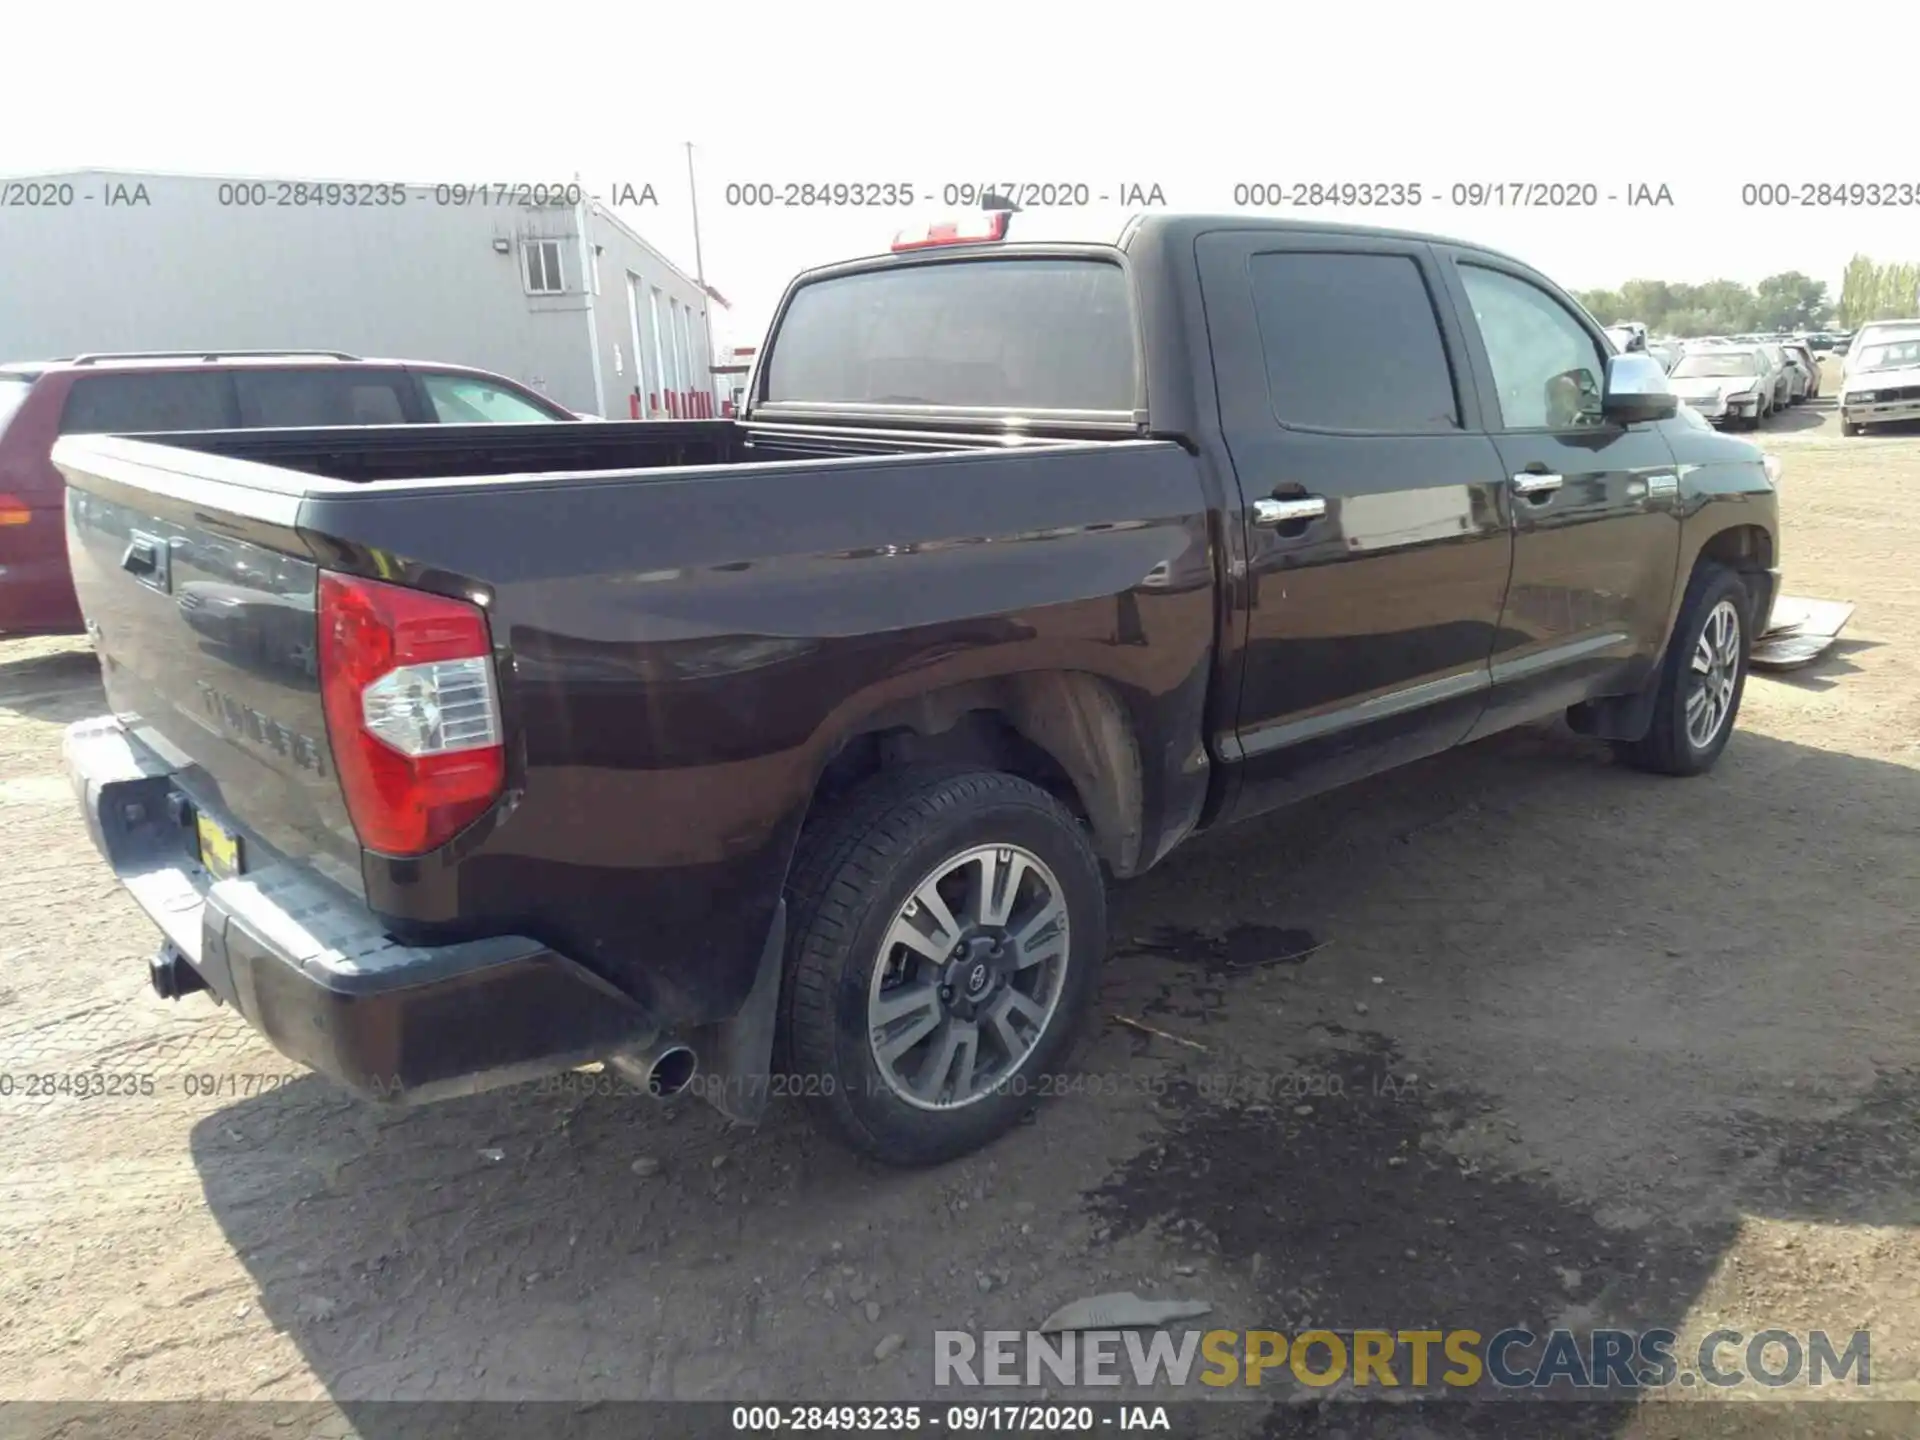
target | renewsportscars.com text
x=1510, y=1359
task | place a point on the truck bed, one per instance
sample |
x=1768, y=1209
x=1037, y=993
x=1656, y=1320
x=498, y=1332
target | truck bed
x=690, y=621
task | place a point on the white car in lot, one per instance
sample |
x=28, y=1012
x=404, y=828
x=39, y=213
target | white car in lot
x=1731, y=385
x=1789, y=381
x=1874, y=334
x=1882, y=383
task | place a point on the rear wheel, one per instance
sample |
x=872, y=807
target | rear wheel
x=1701, y=680
x=948, y=929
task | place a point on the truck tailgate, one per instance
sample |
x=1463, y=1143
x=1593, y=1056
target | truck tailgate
x=207, y=639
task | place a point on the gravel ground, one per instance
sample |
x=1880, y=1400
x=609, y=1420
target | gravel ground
x=1571, y=1045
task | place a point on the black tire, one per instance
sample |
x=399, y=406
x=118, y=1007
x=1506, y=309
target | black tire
x=857, y=865
x=1667, y=748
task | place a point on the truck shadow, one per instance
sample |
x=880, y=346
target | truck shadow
x=1619, y=1023
x=1826, y=672
x=56, y=685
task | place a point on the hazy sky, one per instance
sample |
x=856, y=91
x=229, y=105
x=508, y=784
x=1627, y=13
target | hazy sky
x=1191, y=97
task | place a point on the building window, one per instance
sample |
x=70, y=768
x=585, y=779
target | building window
x=543, y=267
x=645, y=365
x=662, y=348
x=684, y=340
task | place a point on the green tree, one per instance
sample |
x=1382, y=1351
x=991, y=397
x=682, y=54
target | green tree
x=1603, y=305
x=1645, y=300
x=1859, y=292
x=1730, y=306
x=1686, y=323
x=1787, y=301
x=1791, y=301
x=1905, y=297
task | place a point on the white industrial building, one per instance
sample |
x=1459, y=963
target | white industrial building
x=544, y=284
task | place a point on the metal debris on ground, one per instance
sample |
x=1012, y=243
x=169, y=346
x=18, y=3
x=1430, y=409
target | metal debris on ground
x=1799, y=632
x=1122, y=1310
x=1146, y=1029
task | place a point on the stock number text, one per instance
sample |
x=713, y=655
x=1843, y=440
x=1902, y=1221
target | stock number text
x=1868, y=195
x=823, y=194
x=785, y=1419
x=83, y=1084
x=1361, y=194
x=275, y=194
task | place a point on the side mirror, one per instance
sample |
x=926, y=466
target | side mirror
x=1637, y=390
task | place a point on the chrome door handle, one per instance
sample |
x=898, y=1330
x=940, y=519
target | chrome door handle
x=1530, y=484
x=1279, y=512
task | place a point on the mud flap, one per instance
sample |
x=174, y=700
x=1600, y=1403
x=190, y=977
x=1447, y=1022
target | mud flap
x=737, y=1054
x=1618, y=717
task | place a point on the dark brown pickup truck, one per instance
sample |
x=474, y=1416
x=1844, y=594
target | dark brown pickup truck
x=786, y=755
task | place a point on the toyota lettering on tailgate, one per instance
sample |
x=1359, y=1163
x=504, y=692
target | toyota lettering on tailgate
x=263, y=731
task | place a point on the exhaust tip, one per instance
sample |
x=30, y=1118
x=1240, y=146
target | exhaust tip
x=671, y=1072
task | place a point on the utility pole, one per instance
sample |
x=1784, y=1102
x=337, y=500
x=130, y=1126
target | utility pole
x=589, y=285
x=700, y=271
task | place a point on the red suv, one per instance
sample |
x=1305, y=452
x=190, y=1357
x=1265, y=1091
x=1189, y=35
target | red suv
x=150, y=393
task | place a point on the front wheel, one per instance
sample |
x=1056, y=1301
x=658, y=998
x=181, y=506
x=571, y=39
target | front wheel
x=1702, y=679
x=947, y=933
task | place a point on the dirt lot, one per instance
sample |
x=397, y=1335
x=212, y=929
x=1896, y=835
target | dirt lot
x=1576, y=1046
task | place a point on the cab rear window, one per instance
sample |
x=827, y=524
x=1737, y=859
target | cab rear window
x=998, y=333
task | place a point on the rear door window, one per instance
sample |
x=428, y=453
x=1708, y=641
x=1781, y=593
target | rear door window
x=156, y=402
x=1352, y=343
x=293, y=398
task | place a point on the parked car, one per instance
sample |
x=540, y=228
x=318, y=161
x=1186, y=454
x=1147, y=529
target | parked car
x=155, y=392
x=1789, y=381
x=1628, y=339
x=1875, y=333
x=1842, y=343
x=1806, y=369
x=1731, y=385
x=1884, y=383
x=1666, y=352
x=542, y=762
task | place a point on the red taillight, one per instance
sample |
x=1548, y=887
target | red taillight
x=987, y=228
x=14, y=510
x=412, y=711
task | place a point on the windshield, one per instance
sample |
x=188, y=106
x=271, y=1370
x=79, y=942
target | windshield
x=13, y=394
x=1880, y=334
x=1716, y=365
x=1894, y=355
x=1043, y=334
x=467, y=400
